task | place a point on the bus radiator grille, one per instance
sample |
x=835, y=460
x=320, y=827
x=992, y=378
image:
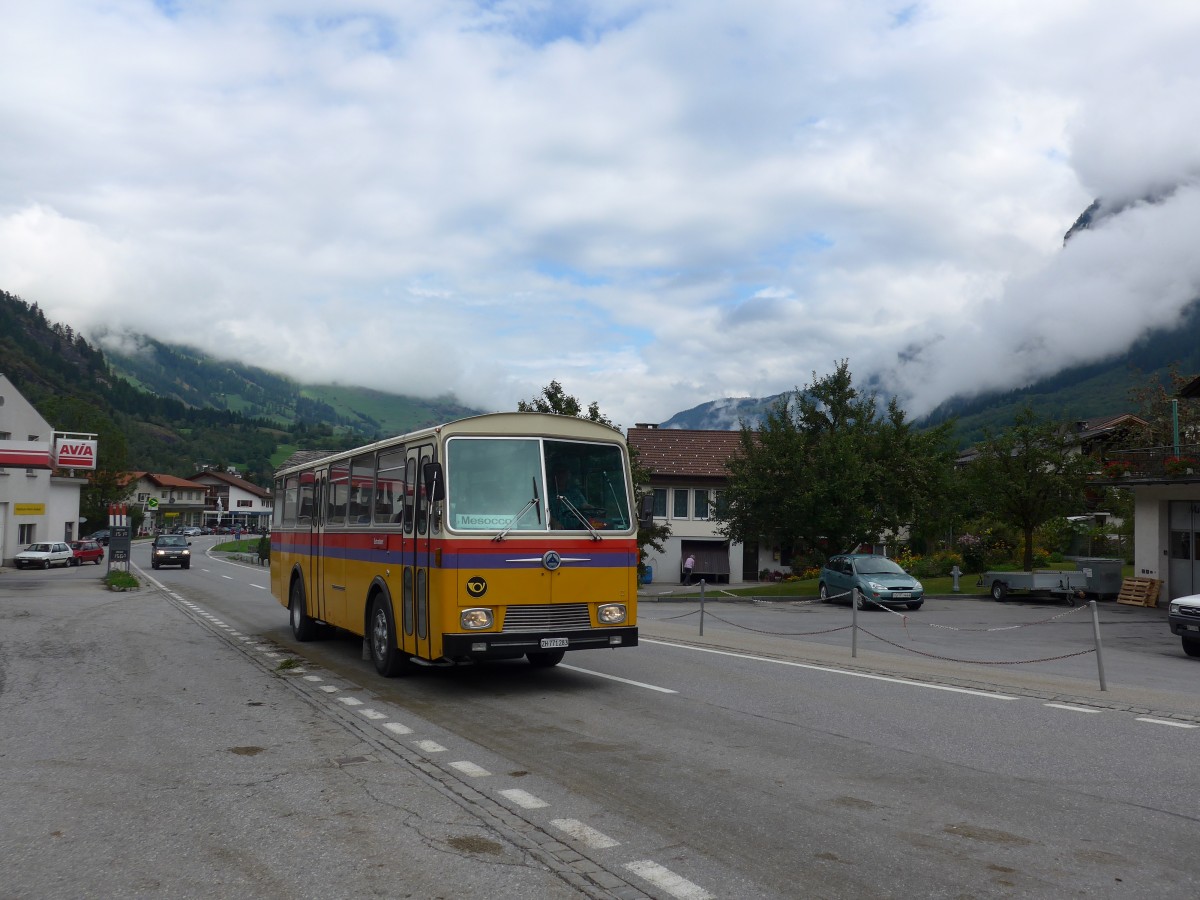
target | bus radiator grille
x=564, y=617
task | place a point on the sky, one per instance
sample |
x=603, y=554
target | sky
x=656, y=204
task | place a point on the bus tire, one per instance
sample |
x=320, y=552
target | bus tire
x=546, y=659
x=389, y=659
x=304, y=627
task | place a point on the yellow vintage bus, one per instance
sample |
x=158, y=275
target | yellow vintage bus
x=495, y=536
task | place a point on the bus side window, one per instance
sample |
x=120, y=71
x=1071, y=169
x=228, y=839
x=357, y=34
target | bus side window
x=410, y=485
x=389, y=488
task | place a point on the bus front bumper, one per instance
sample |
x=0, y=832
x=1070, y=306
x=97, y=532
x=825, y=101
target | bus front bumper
x=500, y=645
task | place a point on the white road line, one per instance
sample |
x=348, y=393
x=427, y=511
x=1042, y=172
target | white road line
x=259, y=586
x=313, y=678
x=373, y=714
x=397, y=728
x=832, y=671
x=328, y=688
x=230, y=577
x=666, y=880
x=469, y=768
x=350, y=701
x=1166, y=722
x=429, y=746
x=524, y=799
x=585, y=835
x=1069, y=707
x=649, y=687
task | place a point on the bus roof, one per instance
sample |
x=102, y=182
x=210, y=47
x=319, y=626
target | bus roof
x=532, y=424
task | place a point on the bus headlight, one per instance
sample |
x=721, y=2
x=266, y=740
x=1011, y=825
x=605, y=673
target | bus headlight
x=475, y=619
x=611, y=614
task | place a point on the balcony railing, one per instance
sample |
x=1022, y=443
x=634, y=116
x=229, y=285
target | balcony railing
x=1149, y=464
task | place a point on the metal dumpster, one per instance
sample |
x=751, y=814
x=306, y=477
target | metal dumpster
x=1103, y=575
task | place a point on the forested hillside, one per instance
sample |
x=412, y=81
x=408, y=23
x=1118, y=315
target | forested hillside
x=174, y=410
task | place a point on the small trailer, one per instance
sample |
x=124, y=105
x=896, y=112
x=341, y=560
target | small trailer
x=1069, y=584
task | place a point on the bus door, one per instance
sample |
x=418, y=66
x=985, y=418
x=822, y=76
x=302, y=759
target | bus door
x=422, y=622
x=332, y=541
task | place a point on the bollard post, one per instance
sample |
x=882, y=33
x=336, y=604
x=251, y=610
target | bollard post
x=854, y=622
x=1096, y=631
x=701, y=607
x=956, y=571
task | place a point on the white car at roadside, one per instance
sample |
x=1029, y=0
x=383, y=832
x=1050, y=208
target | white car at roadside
x=1184, y=617
x=44, y=555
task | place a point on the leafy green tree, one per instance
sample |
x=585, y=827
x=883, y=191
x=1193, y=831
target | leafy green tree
x=553, y=399
x=825, y=471
x=1028, y=474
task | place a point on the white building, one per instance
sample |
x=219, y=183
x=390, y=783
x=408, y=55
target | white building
x=37, y=501
x=234, y=501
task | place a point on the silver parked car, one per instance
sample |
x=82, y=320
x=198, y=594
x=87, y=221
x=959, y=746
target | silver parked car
x=44, y=555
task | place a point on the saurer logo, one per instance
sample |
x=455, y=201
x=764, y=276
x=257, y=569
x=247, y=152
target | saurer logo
x=81, y=455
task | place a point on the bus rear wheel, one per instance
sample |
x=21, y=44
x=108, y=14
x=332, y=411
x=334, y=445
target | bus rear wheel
x=389, y=659
x=547, y=659
x=304, y=627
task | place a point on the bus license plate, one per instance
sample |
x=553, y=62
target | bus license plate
x=552, y=643
x=901, y=595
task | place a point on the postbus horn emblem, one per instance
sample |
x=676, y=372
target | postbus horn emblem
x=551, y=560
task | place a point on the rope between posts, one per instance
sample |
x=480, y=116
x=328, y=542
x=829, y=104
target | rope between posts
x=977, y=662
x=781, y=634
x=1067, y=612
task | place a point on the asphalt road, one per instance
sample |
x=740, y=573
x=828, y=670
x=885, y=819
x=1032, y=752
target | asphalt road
x=757, y=760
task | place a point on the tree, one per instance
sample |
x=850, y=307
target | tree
x=825, y=471
x=1028, y=474
x=555, y=400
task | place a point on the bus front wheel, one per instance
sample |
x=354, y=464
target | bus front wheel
x=389, y=659
x=547, y=659
x=304, y=627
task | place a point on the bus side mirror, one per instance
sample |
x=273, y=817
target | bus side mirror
x=435, y=482
x=646, y=511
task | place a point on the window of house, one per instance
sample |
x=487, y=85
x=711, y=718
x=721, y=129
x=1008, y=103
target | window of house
x=679, y=508
x=25, y=533
x=660, y=502
x=700, y=504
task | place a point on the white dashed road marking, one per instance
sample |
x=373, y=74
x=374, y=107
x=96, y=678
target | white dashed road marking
x=1067, y=706
x=524, y=799
x=649, y=687
x=668, y=881
x=1166, y=722
x=430, y=746
x=589, y=836
x=470, y=769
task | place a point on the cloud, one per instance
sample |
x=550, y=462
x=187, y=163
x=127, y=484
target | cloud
x=655, y=204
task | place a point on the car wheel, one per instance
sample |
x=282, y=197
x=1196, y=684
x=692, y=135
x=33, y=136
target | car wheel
x=1191, y=647
x=999, y=591
x=187, y=565
x=388, y=658
x=98, y=560
x=304, y=628
x=74, y=561
x=545, y=659
x=154, y=565
x=45, y=563
x=823, y=592
x=915, y=606
x=858, y=598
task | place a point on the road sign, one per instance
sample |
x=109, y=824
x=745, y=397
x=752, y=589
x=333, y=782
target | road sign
x=152, y=503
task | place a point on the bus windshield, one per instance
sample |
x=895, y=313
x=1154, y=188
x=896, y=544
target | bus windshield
x=534, y=484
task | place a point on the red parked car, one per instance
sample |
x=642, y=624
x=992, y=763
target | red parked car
x=87, y=551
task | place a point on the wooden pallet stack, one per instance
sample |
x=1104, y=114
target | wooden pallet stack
x=1139, y=591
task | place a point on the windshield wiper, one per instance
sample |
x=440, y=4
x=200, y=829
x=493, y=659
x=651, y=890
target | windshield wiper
x=572, y=508
x=534, y=502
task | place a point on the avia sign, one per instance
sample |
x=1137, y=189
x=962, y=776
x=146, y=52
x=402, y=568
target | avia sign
x=74, y=454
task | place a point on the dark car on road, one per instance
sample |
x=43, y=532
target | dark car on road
x=87, y=551
x=100, y=537
x=873, y=580
x=170, y=550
